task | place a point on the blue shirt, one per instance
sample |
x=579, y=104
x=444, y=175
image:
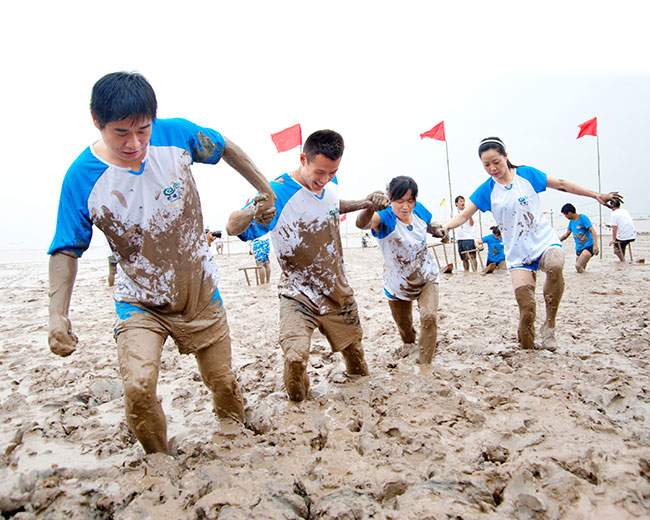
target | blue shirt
x=581, y=234
x=495, y=248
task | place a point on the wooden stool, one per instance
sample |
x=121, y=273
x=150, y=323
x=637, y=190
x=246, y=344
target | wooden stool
x=257, y=274
x=447, y=268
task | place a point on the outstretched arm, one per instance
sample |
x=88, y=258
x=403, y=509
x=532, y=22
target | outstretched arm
x=62, y=271
x=436, y=230
x=376, y=201
x=239, y=161
x=239, y=221
x=571, y=187
x=565, y=236
x=462, y=217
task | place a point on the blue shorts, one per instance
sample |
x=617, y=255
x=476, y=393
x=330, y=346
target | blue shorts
x=534, y=265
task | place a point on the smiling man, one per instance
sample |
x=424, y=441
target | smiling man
x=314, y=290
x=136, y=186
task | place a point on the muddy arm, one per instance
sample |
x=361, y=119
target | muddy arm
x=62, y=272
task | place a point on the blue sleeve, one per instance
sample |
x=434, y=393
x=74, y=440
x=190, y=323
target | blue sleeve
x=74, y=228
x=205, y=144
x=585, y=221
x=487, y=239
x=482, y=197
x=422, y=213
x=387, y=223
x=284, y=188
x=536, y=178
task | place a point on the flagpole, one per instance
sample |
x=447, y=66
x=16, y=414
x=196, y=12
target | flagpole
x=451, y=208
x=600, y=206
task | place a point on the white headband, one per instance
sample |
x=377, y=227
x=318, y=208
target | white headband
x=485, y=141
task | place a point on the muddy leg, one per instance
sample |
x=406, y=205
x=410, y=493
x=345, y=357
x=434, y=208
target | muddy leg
x=619, y=252
x=296, y=328
x=525, y=296
x=215, y=367
x=582, y=261
x=428, y=305
x=402, y=312
x=139, y=352
x=552, y=263
x=355, y=363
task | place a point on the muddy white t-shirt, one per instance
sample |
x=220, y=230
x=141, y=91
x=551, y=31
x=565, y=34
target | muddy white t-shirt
x=517, y=209
x=408, y=265
x=307, y=243
x=151, y=218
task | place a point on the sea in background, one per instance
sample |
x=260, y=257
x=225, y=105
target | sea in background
x=350, y=236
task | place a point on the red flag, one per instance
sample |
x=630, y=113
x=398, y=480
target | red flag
x=288, y=138
x=437, y=132
x=344, y=217
x=588, y=128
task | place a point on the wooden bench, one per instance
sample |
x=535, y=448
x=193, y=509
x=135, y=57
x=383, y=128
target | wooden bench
x=257, y=270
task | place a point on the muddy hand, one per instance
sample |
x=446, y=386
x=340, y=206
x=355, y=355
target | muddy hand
x=264, y=209
x=439, y=232
x=606, y=199
x=61, y=339
x=378, y=200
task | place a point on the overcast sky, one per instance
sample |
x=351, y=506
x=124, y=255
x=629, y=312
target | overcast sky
x=380, y=73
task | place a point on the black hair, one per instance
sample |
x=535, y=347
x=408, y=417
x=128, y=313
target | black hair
x=568, y=208
x=495, y=230
x=458, y=198
x=119, y=95
x=326, y=142
x=398, y=187
x=494, y=143
x=615, y=203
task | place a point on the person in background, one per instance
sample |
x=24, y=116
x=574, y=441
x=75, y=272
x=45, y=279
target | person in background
x=496, y=257
x=465, y=238
x=584, y=235
x=261, y=250
x=623, y=230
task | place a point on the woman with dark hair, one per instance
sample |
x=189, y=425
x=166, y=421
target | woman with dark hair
x=512, y=195
x=496, y=257
x=409, y=271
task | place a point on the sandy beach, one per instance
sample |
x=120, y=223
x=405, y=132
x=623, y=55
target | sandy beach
x=487, y=431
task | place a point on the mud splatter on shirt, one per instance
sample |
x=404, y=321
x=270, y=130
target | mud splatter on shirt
x=152, y=219
x=307, y=243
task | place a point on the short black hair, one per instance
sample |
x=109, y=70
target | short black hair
x=398, y=187
x=495, y=230
x=326, y=142
x=119, y=95
x=458, y=198
x=614, y=203
x=568, y=208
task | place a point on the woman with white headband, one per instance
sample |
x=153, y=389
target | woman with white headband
x=512, y=195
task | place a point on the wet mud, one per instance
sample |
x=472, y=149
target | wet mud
x=488, y=430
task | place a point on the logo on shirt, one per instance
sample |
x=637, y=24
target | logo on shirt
x=523, y=201
x=173, y=193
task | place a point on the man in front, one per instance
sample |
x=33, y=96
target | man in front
x=136, y=186
x=314, y=290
